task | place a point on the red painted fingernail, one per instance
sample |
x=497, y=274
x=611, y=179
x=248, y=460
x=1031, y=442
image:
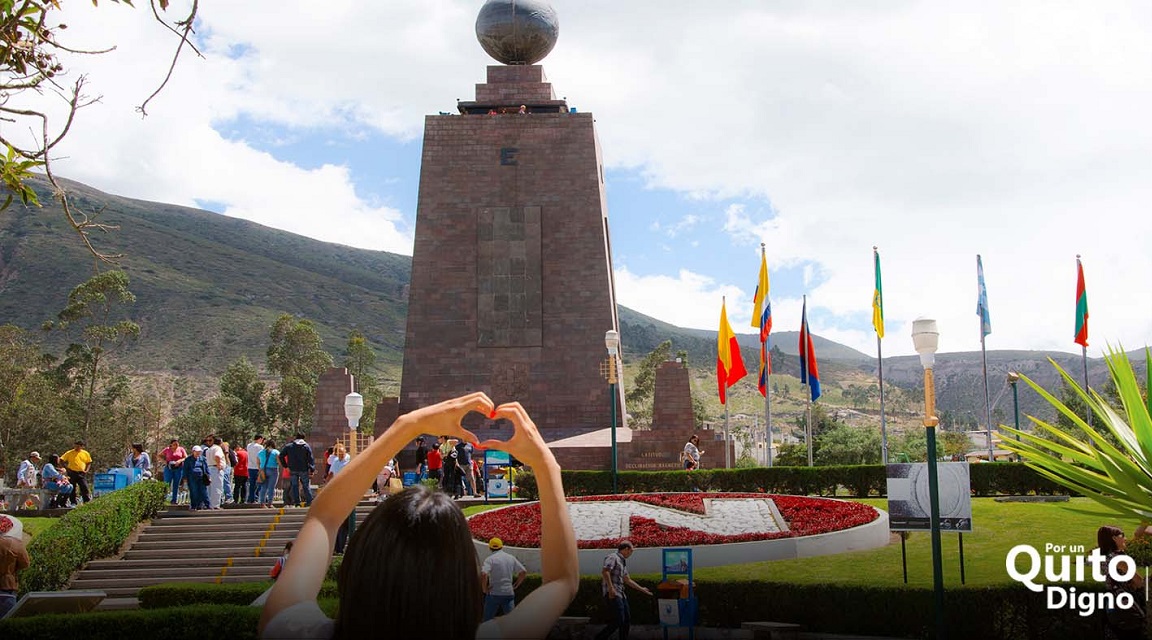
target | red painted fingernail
x=492, y=414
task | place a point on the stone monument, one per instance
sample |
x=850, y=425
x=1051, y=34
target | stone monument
x=511, y=289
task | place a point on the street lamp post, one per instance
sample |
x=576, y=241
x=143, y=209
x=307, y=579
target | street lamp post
x=926, y=338
x=612, y=341
x=1013, y=378
x=353, y=409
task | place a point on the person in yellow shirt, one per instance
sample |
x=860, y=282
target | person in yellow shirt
x=78, y=461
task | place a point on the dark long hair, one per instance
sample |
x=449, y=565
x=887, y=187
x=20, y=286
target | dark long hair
x=413, y=554
x=1104, y=539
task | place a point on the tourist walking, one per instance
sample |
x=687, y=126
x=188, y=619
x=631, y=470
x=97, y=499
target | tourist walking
x=268, y=473
x=254, y=449
x=614, y=576
x=198, y=476
x=13, y=559
x=692, y=453
x=297, y=457
x=414, y=553
x=240, y=476
x=435, y=464
x=229, y=465
x=500, y=576
x=173, y=456
x=77, y=461
x=336, y=463
x=216, y=465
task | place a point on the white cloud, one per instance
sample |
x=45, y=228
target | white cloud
x=935, y=131
x=692, y=298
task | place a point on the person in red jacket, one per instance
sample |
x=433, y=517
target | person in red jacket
x=240, y=485
x=435, y=463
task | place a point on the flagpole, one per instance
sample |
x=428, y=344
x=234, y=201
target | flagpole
x=808, y=431
x=883, y=421
x=878, y=325
x=727, y=435
x=767, y=396
x=1084, y=360
x=987, y=401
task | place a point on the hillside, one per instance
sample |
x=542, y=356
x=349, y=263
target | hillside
x=208, y=287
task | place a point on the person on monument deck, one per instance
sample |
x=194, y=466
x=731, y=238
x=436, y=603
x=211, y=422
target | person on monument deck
x=415, y=553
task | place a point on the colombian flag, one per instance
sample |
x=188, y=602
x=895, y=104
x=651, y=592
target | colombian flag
x=729, y=364
x=809, y=374
x=761, y=307
x=765, y=369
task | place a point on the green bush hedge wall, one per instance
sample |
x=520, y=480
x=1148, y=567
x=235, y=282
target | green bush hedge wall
x=90, y=531
x=998, y=478
x=992, y=613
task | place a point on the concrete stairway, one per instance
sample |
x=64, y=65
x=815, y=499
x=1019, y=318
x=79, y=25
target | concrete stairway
x=190, y=546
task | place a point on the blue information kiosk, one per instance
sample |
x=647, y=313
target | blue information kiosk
x=676, y=595
x=497, y=486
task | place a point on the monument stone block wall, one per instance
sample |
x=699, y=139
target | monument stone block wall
x=511, y=289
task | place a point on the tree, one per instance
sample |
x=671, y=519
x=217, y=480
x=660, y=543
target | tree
x=30, y=38
x=843, y=444
x=219, y=416
x=93, y=307
x=242, y=382
x=296, y=353
x=359, y=357
x=30, y=408
x=639, y=397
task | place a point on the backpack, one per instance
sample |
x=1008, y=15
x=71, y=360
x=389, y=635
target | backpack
x=232, y=459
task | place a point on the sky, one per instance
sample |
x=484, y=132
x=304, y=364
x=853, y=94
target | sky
x=935, y=131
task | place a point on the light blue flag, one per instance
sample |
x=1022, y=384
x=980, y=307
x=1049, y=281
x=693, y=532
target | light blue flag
x=982, y=300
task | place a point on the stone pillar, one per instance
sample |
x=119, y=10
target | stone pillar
x=328, y=421
x=672, y=398
x=511, y=288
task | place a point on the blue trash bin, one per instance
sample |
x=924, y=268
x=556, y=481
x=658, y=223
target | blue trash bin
x=104, y=483
x=409, y=478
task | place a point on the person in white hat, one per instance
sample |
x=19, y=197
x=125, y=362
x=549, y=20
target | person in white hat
x=13, y=558
x=500, y=575
x=26, y=474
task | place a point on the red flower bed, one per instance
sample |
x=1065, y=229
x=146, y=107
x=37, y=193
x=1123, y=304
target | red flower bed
x=519, y=526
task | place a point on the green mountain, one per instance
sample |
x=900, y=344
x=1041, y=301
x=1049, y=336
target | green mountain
x=208, y=287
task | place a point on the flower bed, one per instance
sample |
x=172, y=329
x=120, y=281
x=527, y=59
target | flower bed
x=519, y=526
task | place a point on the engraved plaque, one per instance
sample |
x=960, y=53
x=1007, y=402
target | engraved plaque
x=508, y=301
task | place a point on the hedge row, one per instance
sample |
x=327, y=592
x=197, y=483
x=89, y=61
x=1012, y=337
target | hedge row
x=999, y=478
x=93, y=530
x=1006, y=611
x=194, y=622
x=176, y=594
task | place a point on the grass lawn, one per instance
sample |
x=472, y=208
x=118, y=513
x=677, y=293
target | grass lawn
x=997, y=527
x=36, y=526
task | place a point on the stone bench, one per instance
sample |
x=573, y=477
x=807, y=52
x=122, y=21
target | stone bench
x=569, y=628
x=17, y=497
x=773, y=630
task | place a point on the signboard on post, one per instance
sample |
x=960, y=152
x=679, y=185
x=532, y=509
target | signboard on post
x=909, y=500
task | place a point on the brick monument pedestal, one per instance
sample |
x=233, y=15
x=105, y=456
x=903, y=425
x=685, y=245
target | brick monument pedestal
x=512, y=289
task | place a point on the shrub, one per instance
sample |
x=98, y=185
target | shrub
x=192, y=622
x=91, y=531
x=1000, y=478
x=175, y=594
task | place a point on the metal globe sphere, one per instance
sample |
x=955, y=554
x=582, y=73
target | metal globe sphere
x=517, y=31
